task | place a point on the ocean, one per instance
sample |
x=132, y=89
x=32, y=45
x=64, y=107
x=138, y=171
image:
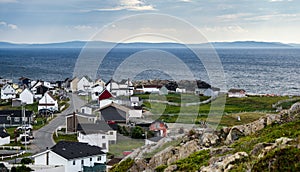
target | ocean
x=259, y=71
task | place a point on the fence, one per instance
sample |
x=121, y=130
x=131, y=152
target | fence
x=12, y=156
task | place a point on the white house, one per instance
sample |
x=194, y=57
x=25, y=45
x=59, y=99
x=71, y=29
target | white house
x=48, y=102
x=98, y=138
x=237, y=93
x=124, y=88
x=27, y=96
x=211, y=92
x=180, y=90
x=151, y=88
x=85, y=84
x=8, y=92
x=74, y=84
x=96, y=90
x=74, y=156
x=4, y=138
x=97, y=134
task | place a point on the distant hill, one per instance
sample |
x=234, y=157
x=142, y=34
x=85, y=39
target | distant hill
x=95, y=44
x=250, y=44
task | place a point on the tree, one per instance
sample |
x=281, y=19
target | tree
x=137, y=132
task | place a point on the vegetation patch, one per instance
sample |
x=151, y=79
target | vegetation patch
x=194, y=162
x=65, y=137
x=267, y=135
x=287, y=159
x=123, y=166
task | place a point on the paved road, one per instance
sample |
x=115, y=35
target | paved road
x=43, y=136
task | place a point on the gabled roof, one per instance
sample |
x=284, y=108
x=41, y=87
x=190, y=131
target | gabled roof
x=111, y=113
x=105, y=94
x=110, y=81
x=98, y=127
x=87, y=78
x=74, y=150
x=3, y=134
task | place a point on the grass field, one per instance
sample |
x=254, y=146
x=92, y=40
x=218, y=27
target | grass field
x=232, y=105
x=125, y=144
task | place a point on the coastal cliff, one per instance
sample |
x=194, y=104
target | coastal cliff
x=269, y=143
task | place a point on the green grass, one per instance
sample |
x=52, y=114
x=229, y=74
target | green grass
x=268, y=135
x=123, y=166
x=40, y=122
x=125, y=145
x=232, y=105
x=173, y=97
x=65, y=137
x=193, y=162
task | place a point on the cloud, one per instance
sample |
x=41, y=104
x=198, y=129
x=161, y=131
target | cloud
x=229, y=28
x=231, y=17
x=186, y=0
x=8, y=25
x=83, y=27
x=130, y=5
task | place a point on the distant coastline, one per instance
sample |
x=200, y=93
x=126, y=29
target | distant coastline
x=97, y=44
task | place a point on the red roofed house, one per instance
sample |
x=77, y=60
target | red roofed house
x=159, y=128
x=104, y=95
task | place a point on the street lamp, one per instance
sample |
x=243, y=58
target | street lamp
x=23, y=122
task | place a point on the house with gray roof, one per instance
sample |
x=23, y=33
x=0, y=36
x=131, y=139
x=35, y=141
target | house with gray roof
x=73, y=156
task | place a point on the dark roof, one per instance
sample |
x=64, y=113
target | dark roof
x=155, y=139
x=82, y=114
x=73, y=150
x=111, y=113
x=3, y=134
x=94, y=128
x=15, y=113
x=114, y=161
x=234, y=90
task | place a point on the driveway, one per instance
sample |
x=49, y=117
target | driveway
x=43, y=137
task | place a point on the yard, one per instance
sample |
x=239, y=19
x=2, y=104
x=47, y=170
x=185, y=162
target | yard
x=125, y=144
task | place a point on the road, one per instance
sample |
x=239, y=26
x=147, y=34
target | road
x=43, y=136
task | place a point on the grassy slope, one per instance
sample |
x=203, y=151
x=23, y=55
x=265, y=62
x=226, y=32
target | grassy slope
x=286, y=159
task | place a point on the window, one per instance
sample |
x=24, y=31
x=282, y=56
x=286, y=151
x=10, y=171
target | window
x=103, y=145
x=17, y=119
x=111, y=133
x=103, y=137
x=82, y=161
x=74, y=162
x=91, y=159
x=99, y=158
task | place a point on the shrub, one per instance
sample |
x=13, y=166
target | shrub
x=160, y=168
x=26, y=161
x=123, y=166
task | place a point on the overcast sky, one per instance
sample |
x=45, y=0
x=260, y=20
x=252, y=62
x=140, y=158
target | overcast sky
x=40, y=21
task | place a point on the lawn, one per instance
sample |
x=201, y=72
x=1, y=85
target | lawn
x=65, y=137
x=173, y=97
x=232, y=105
x=125, y=144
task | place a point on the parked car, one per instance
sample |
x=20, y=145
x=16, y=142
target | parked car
x=45, y=112
x=26, y=127
x=82, y=93
x=25, y=139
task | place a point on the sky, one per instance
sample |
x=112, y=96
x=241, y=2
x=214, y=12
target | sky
x=41, y=21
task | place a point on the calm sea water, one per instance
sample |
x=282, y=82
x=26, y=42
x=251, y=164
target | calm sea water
x=255, y=70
